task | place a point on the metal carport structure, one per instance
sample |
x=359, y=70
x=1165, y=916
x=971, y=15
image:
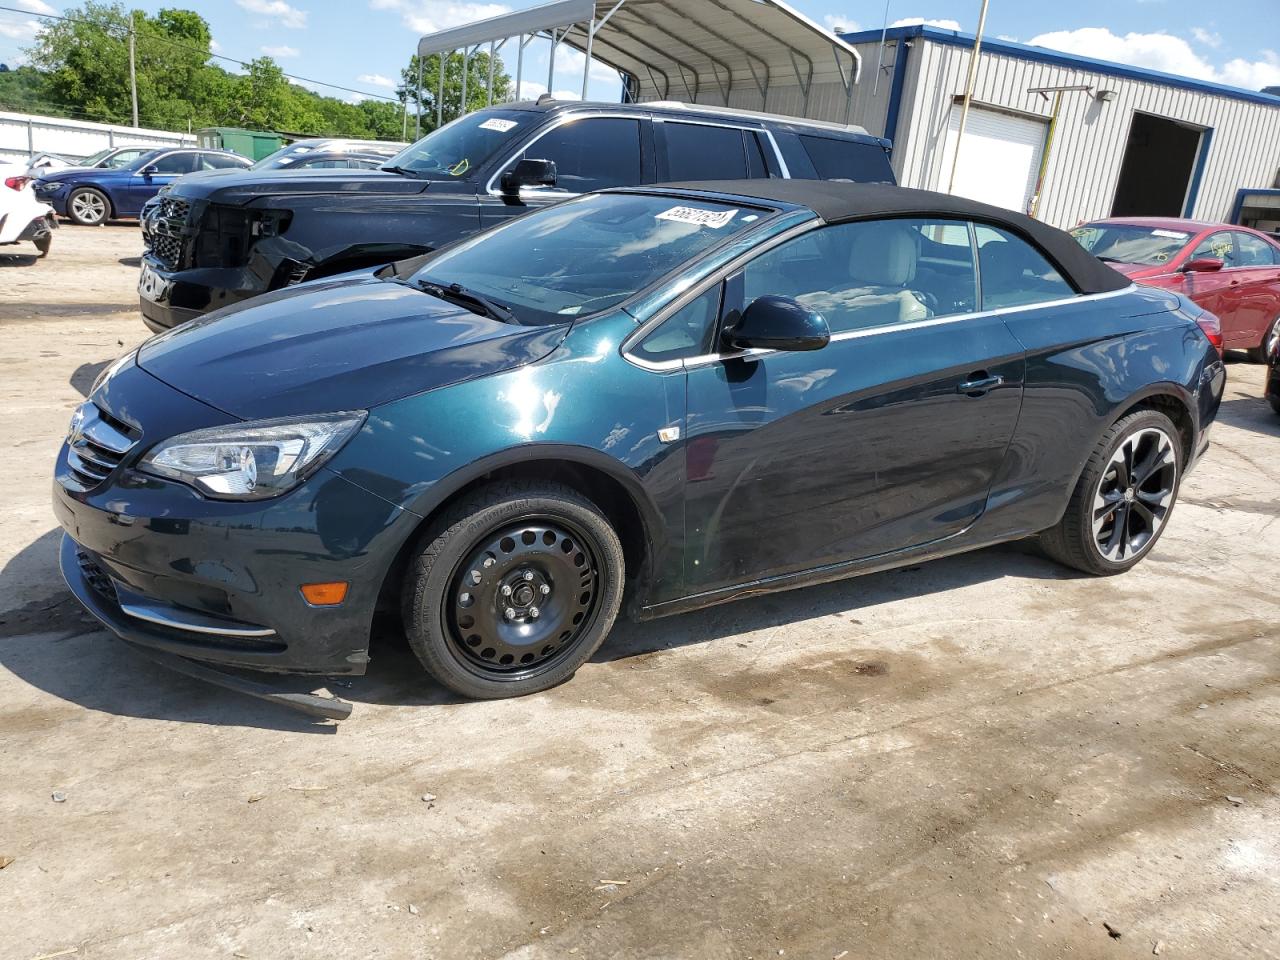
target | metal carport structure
x=748, y=54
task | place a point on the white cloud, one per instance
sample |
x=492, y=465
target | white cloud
x=838, y=24
x=376, y=80
x=917, y=21
x=281, y=52
x=1164, y=52
x=23, y=30
x=214, y=46
x=430, y=16
x=1206, y=37
x=276, y=10
x=1253, y=75
x=36, y=6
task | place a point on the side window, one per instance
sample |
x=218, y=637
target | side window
x=592, y=154
x=847, y=160
x=220, y=161
x=175, y=163
x=686, y=333
x=1218, y=247
x=757, y=166
x=1014, y=273
x=699, y=152
x=873, y=273
x=1254, y=251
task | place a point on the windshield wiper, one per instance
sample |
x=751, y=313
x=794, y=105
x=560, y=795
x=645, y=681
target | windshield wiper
x=475, y=302
x=404, y=172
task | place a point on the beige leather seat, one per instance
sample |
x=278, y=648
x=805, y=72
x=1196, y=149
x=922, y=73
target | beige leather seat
x=882, y=265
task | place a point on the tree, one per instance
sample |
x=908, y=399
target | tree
x=477, y=86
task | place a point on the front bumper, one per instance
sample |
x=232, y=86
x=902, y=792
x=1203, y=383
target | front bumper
x=216, y=581
x=169, y=297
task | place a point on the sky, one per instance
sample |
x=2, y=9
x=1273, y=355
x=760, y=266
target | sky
x=363, y=44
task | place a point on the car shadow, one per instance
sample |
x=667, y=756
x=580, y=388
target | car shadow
x=83, y=376
x=18, y=259
x=130, y=261
x=51, y=643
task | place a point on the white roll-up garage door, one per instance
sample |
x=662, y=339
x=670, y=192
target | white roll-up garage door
x=1000, y=161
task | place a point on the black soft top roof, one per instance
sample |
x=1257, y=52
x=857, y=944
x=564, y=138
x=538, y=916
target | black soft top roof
x=840, y=202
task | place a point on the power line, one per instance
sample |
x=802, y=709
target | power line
x=186, y=46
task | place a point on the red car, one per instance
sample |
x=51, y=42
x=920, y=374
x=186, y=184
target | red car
x=1233, y=272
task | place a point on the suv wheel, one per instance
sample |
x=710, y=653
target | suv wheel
x=513, y=589
x=88, y=207
x=1123, y=499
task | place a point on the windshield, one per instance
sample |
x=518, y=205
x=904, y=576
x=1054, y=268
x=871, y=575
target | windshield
x=141, y=160
x=459, y=148
x=284, y=157
x=93, y=159
x=586, y=255
x=1130, y=243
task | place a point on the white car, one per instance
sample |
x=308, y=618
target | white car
x=23, y=218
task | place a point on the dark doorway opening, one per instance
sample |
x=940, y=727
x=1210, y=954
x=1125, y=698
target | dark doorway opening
x=1159, y=162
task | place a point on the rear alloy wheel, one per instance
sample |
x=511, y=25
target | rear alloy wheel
x=88, y=207
x=1264, y=351
x=1123, y=499
x=513, y=590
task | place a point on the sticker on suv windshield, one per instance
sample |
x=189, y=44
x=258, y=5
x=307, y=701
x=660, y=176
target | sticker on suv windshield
x=502, y=126
x=715, y=219
x=1170, y=234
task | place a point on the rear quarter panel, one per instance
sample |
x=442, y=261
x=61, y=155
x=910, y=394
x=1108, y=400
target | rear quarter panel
x=1088, y=363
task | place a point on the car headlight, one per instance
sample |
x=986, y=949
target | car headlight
x=253, y=461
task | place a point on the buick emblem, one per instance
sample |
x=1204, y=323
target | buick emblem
x=75, y=432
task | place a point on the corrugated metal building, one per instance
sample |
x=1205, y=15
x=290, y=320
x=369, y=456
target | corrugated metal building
x=1125, y=141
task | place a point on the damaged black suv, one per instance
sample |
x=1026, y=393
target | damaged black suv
x=213, y=241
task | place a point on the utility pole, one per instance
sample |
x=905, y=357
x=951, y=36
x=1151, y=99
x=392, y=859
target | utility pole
x=968, y=95
x=133, y=70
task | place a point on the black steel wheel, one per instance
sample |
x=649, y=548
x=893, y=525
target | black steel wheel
x=1123, y=499
x=513, y=589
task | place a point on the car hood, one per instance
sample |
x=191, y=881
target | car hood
x=243, y=186
x=339, y=345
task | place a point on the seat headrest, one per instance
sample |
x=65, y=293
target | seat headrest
x=884, y=254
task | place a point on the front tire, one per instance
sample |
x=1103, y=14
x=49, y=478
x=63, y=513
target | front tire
x=1122, y=501
x=88, y=207
x=1263, y=352
x=513, y=589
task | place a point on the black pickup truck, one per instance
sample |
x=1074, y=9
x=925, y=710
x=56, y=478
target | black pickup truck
x=215, y=240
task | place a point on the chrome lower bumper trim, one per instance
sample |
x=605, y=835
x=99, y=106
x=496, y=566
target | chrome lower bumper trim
x=140, y=608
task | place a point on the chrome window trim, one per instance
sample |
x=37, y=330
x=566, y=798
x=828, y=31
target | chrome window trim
x=701, y=360
x=560, y=121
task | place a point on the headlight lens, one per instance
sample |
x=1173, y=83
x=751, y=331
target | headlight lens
x=253, y=461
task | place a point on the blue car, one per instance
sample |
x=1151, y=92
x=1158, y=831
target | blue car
x=90, y=196
x=643, y=401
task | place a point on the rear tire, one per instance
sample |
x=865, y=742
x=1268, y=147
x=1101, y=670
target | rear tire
x=1262, y=352
x=88, y=207
x=43, y=244
x=1122, y=502
x=512, y=589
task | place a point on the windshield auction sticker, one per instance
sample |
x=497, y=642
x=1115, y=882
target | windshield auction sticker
x=502, y=126
x=715, y=219
x=1170, y=234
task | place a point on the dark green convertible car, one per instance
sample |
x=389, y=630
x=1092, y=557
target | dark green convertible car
x=652, y=399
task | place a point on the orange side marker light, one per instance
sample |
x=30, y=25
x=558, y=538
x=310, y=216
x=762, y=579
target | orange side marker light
x=324, y=594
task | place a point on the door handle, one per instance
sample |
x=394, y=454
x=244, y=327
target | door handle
x=980, y=385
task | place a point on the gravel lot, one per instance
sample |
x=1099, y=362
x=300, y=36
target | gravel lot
x=985, y=756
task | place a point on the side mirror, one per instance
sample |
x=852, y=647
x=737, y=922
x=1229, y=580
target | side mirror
x=776, y=323
x=1203, y=265
x=529, y=173
x=150, y=171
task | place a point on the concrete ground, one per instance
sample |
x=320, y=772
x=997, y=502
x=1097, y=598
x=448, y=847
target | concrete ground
x=985, y=756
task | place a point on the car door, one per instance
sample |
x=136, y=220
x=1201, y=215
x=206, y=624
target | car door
x=166, y=169
x=1215, y=290
x=590, y=153
x=1257, y=292
x=886, y=438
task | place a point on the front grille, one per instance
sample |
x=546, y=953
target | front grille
x=96, y=446
x=163, y=226
x=94, y=576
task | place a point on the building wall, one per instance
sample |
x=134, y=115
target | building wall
x=1085, y=160
x=22, y=135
